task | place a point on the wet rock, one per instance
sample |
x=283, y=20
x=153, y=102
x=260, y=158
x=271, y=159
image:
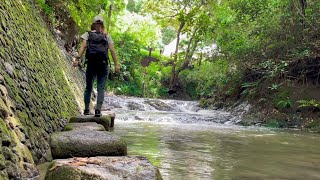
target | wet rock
x=24, y=85
x=138, y=118
x=20, y=135
x=30, y=171
x=9, y=68
x=135, y=106
x=84, y=143
x=12, y=169
x=105, y=120
x=103, y=168
x=159, y=105
x=4, y=175
x=1, y=79
x=4, y=114
x=3, y=90
x=90, y=126
x=218, y=105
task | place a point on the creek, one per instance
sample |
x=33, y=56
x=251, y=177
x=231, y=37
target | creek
x=187, y=142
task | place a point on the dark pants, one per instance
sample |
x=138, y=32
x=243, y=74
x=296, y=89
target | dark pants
x=100, y=71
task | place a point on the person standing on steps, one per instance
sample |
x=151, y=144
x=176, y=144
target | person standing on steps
x=96, y=43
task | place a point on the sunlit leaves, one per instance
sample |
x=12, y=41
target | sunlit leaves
x=144, y=28
x=83, y=11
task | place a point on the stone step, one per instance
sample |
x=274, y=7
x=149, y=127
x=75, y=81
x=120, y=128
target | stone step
x=126, y=167
x=90, y=126
x=106, y=120
x=86, y=143
x=112, y=116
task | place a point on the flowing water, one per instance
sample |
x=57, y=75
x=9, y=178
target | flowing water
x=186, y=142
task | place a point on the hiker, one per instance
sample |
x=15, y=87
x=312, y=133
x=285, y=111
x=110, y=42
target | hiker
x=96, y=42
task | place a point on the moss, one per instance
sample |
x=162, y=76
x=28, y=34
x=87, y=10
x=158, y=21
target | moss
x=105, y=121
x=62, y=173
x=158, y=175
x=89, y=176
x=68, y=127
x=3, y=127
x=3, y=175
x=23, y=115
x=2, y=162
x=48, y=82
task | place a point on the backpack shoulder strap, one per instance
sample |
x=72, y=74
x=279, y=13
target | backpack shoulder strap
x=89, y=34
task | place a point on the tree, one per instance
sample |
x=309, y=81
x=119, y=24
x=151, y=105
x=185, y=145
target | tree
x=184, y=16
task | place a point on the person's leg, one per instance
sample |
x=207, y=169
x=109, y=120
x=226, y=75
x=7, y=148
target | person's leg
x=90, y=75
x=102, y=75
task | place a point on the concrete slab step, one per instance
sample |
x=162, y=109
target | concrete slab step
x=86, y=143
x=90, y=126
x=103, y=168
x=106, y=120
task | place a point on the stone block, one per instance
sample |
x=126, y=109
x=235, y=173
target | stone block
x=84, y=143
x=103, y=168
x=105, y=120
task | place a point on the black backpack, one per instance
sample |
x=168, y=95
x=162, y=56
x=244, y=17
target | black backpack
x=97, y=45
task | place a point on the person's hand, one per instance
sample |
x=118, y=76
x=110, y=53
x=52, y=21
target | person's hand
x=105, y=32
x=75, y=62
x=117, y=69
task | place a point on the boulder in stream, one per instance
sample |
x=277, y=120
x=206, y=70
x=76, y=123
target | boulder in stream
x=135, y=106
x=103, y=168
x=159, y=105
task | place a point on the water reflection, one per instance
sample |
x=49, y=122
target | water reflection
x=187, y=151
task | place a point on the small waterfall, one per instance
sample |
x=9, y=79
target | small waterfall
x=165, y=111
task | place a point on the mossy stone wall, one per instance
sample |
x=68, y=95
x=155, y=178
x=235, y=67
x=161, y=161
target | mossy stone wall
x=39, y=89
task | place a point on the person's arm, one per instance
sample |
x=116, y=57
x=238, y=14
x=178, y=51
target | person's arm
x=82, y=48
x=114, y=57
x=81, y=51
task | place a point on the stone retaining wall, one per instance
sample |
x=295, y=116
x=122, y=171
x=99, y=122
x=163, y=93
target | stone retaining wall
x=39, y=90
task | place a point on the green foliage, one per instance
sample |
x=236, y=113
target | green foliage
x=133, y=76
x=263, y=37
x=83, y=11
x=45, y=7
x=276, y=123
x=126, y=88
x=282, y=99
x=135, y=5
x=207, y=78
x=250, y=88
x=287, y=103
x=48, y=10
x=168, y=35
x=153, y=80
x=309, y=103
x=145, y=30
x=128, y=50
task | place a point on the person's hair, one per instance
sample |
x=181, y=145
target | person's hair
x=97, y=26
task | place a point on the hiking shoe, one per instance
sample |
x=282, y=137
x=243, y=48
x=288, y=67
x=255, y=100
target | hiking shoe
x=86, y=112
x=97, y=113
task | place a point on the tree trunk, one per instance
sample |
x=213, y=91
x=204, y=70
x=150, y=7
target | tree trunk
x=189, y=52
x=303, y=4
x=173, y=78
x=109, y=17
